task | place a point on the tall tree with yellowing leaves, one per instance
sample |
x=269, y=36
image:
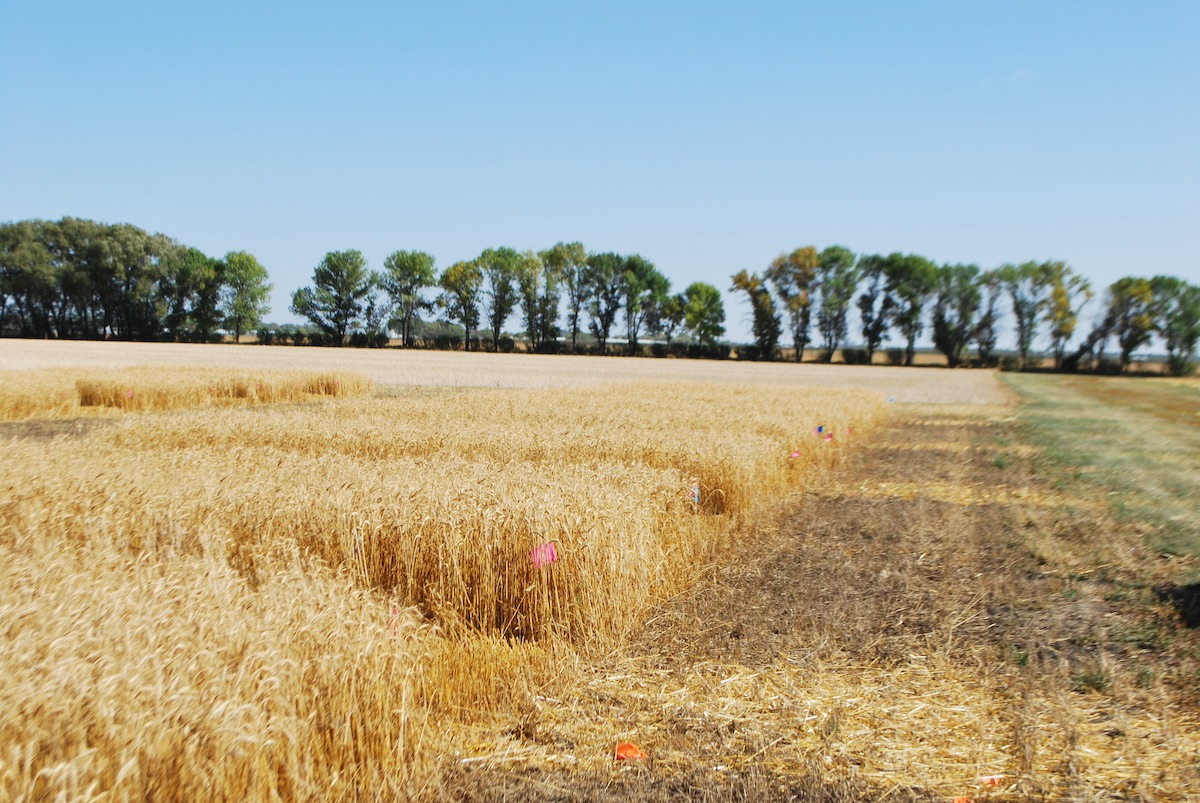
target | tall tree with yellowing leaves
x=795, y=277
x=1069, y=292
x=1131, y=313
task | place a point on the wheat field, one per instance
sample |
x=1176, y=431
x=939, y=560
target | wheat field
x=393, y=367
x=258, y=582
x=469, y=577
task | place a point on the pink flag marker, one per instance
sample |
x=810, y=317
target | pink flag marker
x=796, y=453
x=542, y=555
x=828, y=436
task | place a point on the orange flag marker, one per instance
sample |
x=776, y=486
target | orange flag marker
x=628, y=750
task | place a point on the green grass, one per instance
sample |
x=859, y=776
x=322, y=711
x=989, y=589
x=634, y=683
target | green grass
x=1136, y=440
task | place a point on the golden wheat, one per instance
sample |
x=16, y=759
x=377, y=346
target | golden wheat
x=214, y=601
x=58, y=393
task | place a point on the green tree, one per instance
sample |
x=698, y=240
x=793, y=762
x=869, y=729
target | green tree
x=766, y=324
x=674, y=316
x=794, y=276
x=76, y=278
x=959, y=293
x=154, y=287
x=1094, y=344
x=28, y=284
x=406, y=276
x=989, y=314
x=128, y=282
x=1027, y=288
x=538, y=282
x=912, y=280
x=1131, y=315
x=462, y=289
x=1177, y=321
x=838, y=276
x=500, y=268
x=377, y=315
x=10, y=243
x=78, y=257
x=605, y=284
x=245, y=298
x=192, y=290
x=1068, y=293
x=874, y=303
x=704, y=313
x=644, y=290
x=340, y=295
x=568, y=262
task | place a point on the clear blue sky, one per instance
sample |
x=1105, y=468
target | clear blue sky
x=706, y=136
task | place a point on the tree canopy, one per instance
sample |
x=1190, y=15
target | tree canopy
x=569, y=263
x=462, y=288
x=959, y=291
x=500, y=267
x=838, y=275
x=605, y=288
x=912, y=279
x=704, y=313
x=794, y=277
x=340, y=296
x=77, y=278
x=247, y=292
x=1177, y=320
x=766, y=324
x=874, y=304
x=406, y=275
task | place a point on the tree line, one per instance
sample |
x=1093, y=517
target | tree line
x=76, y=278
x=600, y=292
x=901, y=294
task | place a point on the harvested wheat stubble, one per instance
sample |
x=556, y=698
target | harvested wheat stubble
x=473, y=369
x=319, y=600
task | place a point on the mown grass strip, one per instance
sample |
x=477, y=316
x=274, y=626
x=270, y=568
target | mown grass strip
x=1136, y=439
